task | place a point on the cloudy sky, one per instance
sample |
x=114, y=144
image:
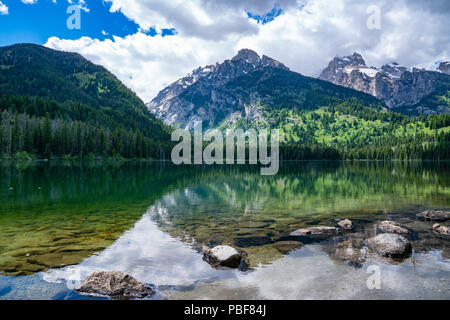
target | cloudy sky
x=149, y=44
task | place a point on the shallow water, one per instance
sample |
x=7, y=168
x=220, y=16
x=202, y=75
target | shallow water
x=60, y=222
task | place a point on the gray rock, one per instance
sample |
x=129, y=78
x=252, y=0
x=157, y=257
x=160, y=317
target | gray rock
x=390, y=245
x=222, y=256
x=434, y=215
x=321, y=230
x=345, y=224
x=392, y=227
x=114, y=284
x=441, y=230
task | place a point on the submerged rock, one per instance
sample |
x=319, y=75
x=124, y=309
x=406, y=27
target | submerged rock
x=222, y=256
x=287, y=246
x=310, y=234
x=434, y=215
x=321, y=230
x=442, y=231
x=245, y=242
x=392, y=227
x=350, y=251
x=390, y=245
x=345, y=224
x=58, y=259
x=114, y=284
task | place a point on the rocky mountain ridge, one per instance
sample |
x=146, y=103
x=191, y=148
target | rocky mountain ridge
x=237, y=88
x=413, y=91
x=169, y=105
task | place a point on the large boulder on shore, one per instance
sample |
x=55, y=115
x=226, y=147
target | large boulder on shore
x=434, y=215
x=390, y=245
x=222, y=256
x=114, y=284
x=392, y=227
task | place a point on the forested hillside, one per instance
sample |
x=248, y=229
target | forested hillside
x=59, y=105
x=350, y=130
x=56, y=104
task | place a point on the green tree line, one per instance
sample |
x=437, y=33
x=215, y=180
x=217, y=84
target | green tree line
x=22, y=134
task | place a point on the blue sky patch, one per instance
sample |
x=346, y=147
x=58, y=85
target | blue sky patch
x=164, y=32
x=267, y=17
x=35, y=23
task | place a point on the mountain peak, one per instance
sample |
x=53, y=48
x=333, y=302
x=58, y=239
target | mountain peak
x=394, y=70
x=355, y=59
x=244, y=62
x=397, y=86
x=247, y=55
x=340, y=64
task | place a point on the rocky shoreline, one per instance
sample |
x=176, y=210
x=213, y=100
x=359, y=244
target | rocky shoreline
x=391, y=241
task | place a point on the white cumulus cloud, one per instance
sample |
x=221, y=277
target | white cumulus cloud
x=305, y=36
x=3, y=9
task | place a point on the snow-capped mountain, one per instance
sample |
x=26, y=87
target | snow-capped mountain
x=238, y=86
x=414, y=91
x=180, y=104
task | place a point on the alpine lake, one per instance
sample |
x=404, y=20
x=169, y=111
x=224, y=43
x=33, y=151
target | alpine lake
x=61, y=221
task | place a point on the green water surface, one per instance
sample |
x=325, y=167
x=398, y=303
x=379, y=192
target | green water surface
x=61, y=221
